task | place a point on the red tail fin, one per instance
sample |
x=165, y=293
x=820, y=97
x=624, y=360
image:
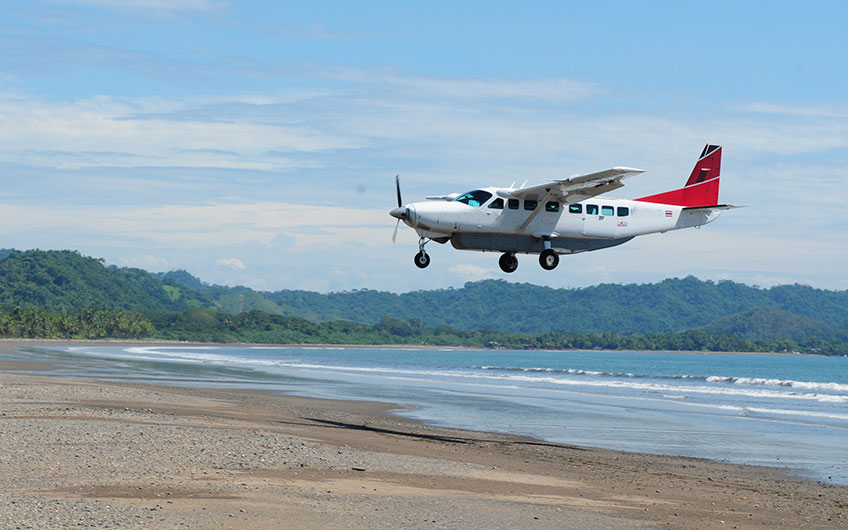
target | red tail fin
x=702, y=187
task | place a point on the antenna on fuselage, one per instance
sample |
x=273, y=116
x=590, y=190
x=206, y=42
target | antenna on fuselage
x=522, y=186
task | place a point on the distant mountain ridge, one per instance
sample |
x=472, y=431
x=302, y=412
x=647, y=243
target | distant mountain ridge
x=58, y=280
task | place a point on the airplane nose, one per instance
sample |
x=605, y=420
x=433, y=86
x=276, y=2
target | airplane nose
x=400, y=213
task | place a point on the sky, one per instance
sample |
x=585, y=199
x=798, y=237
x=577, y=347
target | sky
x=256, y=142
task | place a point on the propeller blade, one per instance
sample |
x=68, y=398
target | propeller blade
x=394, y=236
x=397, y=186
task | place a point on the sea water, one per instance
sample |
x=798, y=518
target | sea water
x=779, y=410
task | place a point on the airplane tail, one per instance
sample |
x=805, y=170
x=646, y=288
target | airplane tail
x=702, y=187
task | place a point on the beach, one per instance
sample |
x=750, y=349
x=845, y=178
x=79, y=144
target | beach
x=89, y=453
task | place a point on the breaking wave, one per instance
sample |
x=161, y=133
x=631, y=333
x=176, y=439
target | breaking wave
x=748, y=381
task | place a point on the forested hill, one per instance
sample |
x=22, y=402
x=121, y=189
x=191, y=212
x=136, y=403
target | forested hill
x=59, y=280
x=787, y=311
x=669, y=306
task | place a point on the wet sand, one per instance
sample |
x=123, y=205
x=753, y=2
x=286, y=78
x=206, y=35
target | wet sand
x=93, y=454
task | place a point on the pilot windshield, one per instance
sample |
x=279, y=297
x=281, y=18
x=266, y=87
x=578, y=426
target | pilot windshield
x=474, y=198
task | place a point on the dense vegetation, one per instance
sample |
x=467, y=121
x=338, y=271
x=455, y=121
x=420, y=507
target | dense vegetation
x=77, y=324
x=65, y=280
x=669, y=306
x=41, y=293
x=207, y=325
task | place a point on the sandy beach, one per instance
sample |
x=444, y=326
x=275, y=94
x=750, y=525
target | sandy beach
x=95, y=454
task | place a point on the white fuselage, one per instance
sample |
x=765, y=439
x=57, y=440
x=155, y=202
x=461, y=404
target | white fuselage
x=598, y=218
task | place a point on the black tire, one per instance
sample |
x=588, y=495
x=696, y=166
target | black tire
x=422, y=260
x=548, y=259
x=508, y=262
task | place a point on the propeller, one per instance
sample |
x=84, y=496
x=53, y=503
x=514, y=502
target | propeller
x=400, y=204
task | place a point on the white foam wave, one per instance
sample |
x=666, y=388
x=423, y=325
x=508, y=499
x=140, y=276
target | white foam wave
x=559, y=377
x=696, y=389
x=803, y=413
x=760, y=381
x=716, y=379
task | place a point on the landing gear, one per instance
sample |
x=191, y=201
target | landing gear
x=422, y=259
x=548, y=259
x=508, y=262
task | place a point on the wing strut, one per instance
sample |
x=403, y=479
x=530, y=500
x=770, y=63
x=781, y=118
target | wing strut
x=535, y=212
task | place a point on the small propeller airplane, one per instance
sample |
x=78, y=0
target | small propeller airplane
x=561, y=217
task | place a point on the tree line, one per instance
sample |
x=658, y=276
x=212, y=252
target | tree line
x=207, y=325
x=63, y=281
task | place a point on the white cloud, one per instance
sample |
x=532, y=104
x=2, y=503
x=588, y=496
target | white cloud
x=471, y=272
x=209, y=225
x=807, y=111
x=155, y=5
x=150, y=263
x=532, y=90
x=105, y=132
x=230, y=263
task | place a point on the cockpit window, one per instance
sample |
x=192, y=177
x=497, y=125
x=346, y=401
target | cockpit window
x=474, y=198
x=497, y=204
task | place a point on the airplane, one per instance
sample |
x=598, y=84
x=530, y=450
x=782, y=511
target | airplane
x=565, y=216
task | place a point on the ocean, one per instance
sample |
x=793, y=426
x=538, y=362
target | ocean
x=789, y=411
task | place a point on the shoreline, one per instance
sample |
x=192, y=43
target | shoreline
x=153, y=456
x=160, y=342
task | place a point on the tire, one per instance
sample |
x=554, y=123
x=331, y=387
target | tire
x=422, y=260
x=508, y=262
x=548, y=259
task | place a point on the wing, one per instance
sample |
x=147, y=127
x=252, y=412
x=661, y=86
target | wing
x=448, y=197
x=576, y=189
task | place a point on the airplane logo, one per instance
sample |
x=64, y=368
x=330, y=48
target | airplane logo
x=565, y=216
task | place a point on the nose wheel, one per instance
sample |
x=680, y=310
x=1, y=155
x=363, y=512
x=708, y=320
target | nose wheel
x=508, y=262
x=548, y=259
x=422, y=259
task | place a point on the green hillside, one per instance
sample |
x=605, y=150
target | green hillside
x=770, y=323
x=63, y=294
x=67, y=281
x=63, y=279
x=669, y=306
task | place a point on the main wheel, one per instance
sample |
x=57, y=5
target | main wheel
x=548, y=259
x=508, y=262
x=422, y=260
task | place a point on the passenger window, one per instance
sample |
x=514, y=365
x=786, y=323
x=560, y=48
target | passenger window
x=497, y=204
x=607, y=210
x=530, y=205
x=575, y=208
x=592, y=209
x=552, y=207
x=623, y=211
x=513, y=204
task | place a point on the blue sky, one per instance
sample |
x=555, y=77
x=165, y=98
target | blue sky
x=256, y=143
